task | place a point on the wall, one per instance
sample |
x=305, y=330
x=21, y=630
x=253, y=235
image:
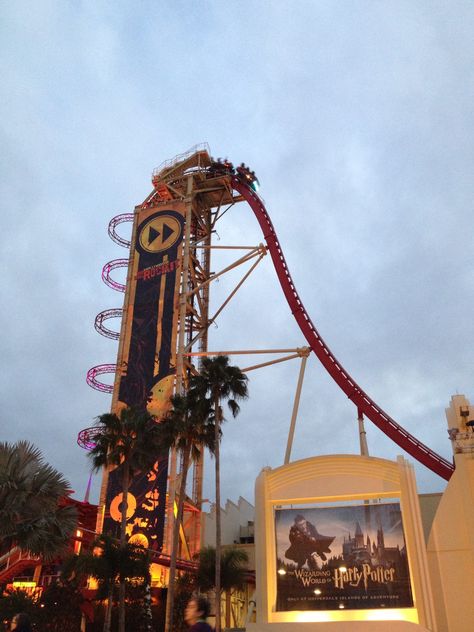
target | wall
x=451, y=550
x=233, y=516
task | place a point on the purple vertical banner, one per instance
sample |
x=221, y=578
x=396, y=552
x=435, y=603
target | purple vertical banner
x=149, y=366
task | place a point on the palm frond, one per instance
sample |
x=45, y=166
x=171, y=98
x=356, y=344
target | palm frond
x=30, y=491
x=233, y=568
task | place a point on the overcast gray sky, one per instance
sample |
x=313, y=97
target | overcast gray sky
x=358, y=120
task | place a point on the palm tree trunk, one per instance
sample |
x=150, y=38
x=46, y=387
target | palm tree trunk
x=227, y=608
x=123, y=536
x=174, y=549
x=147, y=600
x=121, y=621
x=218, y=512
x=108, y=610
x=124, y=504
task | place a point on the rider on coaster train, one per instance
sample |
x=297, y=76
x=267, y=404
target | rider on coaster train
x=224, y=167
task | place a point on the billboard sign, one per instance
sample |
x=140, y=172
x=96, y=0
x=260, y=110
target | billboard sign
x=341, y=557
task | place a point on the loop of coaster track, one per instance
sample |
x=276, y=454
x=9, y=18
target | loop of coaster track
x=114, y=222
x=115, y=312
x=107, y=269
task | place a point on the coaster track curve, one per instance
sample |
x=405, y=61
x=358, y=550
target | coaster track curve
x=346, y=383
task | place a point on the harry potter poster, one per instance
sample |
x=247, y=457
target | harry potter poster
x=339, y=557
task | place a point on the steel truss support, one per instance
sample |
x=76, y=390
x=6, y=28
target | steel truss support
x=208, y=195
x=204, y=324
x=299, y=352
x=207, y=199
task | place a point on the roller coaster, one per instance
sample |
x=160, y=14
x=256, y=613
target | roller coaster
x=208, y=188
x=243, y=181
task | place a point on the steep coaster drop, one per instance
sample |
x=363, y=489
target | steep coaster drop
x=364, y=403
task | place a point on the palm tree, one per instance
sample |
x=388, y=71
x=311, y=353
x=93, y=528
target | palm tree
x=109, y=564
x=15, y=600
x=130, y=442
x=60, y=609
x=233, y=572
x=184, y=591
x=186, y=428
x=220, y=382
x=30, y=493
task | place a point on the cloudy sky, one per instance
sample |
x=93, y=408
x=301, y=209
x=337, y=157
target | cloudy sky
x=357, y=118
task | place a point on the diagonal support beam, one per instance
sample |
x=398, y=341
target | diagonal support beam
x=296, y=404
x=260, y=249
x=237, y=288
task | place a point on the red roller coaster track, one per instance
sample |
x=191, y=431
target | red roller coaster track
x=115, y=312
x=101, y=369
x=107, y=269
x=362, y=401
x=114, y=222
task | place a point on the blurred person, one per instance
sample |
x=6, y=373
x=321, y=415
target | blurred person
x=21, y=623
x=196, y=614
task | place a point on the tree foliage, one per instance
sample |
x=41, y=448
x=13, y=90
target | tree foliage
x=110, y=564
x=14, y=601
x=233, y=568
x=222, y=382
x=130, y=442
x=188, y=424
x=31, y=516
x=60, y=608
x=184, y=589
